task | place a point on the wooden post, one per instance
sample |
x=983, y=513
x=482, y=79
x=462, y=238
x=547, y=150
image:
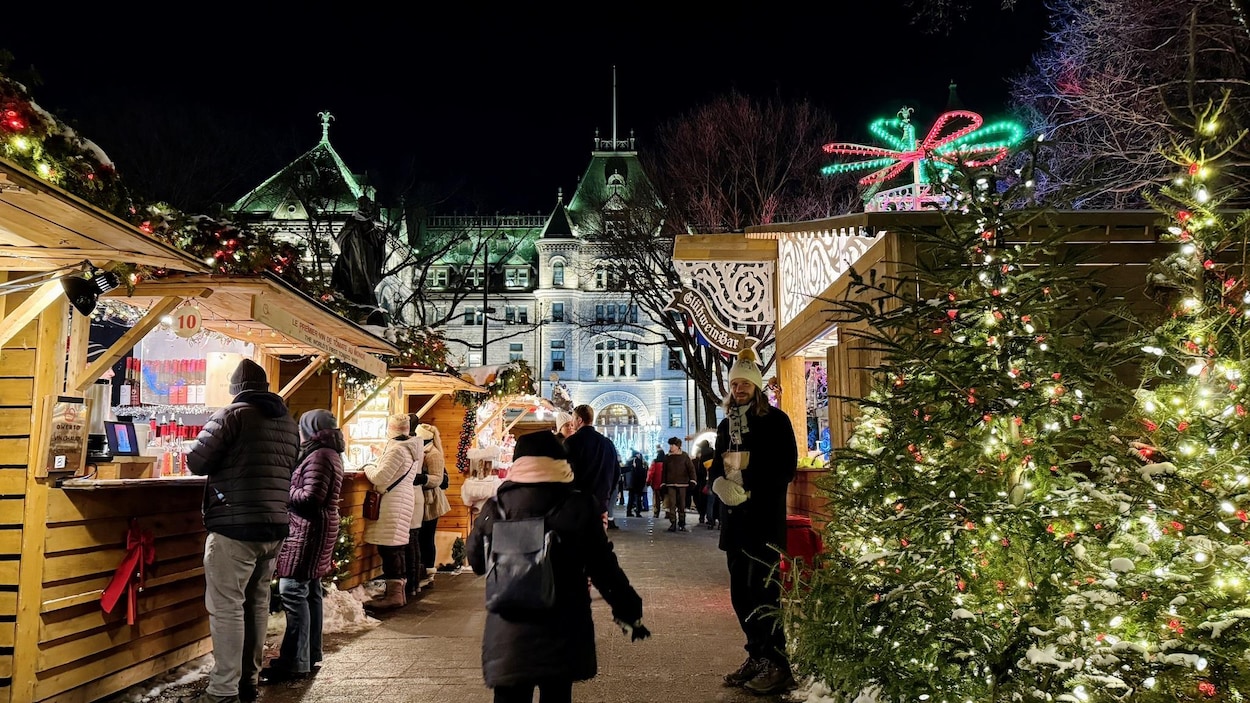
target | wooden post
x=790, y=372
x=49, y=379
x=272, y=365
x=42, y=299
x=314, y=364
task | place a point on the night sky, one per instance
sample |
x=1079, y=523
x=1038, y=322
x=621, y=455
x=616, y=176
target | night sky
x=503, y=104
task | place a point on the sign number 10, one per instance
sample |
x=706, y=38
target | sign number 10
x=187, y=321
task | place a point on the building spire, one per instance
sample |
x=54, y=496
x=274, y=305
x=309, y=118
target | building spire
x=326, y=119
x=613, y=143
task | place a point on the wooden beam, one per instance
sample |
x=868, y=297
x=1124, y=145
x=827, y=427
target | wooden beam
x=314, y=365
x=79, y=340
x=126, y=343
x=373, y=394
x=426, y=408
x=30, y=308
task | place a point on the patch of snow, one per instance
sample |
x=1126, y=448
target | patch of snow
x=1122, y=564
x=1149, y=471
x=1217, y=627
x=152, y=689
x=1047, y=657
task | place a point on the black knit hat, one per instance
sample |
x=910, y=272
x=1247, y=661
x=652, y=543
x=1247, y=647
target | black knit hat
x=540, y=443
x=248, y=376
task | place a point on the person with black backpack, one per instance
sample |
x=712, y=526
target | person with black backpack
x=537, y=541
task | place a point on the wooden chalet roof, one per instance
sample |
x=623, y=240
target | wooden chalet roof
x=423, y=382
x=43, y=227
x=226, y=305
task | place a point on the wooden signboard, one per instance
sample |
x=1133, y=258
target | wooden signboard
x=65, y=422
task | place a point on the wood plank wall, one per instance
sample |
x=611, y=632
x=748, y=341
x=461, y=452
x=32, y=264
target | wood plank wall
x=17, y=383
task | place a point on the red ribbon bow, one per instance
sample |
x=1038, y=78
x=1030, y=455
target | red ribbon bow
x=131, y=573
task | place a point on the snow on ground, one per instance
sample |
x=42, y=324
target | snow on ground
x=344, y=612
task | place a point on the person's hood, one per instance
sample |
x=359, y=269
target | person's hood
x=269, y=404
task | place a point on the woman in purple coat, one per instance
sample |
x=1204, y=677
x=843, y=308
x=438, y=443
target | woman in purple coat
x=307, y=554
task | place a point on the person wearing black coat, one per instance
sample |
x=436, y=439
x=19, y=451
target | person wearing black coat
x=637, y=486
x=593, y=458
x=702, y=461
x=754, y=521
x=247, y=450
x=551, y=649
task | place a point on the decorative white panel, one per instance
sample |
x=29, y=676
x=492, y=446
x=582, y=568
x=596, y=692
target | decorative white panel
x=741, y=291
x=811, y=261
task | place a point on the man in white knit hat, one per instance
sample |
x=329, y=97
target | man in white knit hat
x=756, y=458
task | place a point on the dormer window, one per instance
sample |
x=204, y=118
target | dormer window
x=438, y=278
x=473, y=277
x=516, y=277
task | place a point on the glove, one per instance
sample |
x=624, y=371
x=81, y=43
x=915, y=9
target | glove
x=420, y=479
x=636, y=630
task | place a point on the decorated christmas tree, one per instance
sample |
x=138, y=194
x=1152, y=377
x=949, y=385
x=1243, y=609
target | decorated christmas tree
x=956, y=509
x=1157, y=606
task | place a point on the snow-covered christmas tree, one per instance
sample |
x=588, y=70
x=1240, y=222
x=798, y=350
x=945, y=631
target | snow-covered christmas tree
x=957, y=510
x=1158, y=608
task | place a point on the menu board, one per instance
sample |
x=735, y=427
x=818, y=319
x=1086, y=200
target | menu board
x=65, y=428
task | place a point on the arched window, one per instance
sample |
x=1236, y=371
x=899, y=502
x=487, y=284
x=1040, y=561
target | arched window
x=557, y=273
x=616, y=359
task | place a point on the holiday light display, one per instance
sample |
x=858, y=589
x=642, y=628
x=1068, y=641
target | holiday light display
x=1162, y=609
x=957, y=507
x=957, y=137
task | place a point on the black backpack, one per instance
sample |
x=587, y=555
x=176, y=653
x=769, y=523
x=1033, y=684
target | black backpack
x=519, y=574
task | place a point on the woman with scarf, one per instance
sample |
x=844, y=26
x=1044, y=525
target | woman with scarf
x=307, y=554
x=551, y=649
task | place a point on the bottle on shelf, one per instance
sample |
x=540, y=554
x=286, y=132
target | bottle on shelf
x=123, y=395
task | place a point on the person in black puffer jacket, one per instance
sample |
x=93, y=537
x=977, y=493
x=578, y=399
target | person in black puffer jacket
x=553, y=648
x=248, y=450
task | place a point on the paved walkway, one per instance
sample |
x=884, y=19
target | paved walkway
x=430, y=650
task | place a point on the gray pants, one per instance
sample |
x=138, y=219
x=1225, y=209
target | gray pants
x=236, y=593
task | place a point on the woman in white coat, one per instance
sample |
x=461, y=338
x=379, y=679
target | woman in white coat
x=436, y=503
x=392, y=476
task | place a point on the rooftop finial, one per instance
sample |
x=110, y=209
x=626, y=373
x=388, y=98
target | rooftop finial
x=559, y=195
x=614, y=105
x=326, y=119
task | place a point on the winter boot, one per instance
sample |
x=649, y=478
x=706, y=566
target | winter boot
x=393, y=598
x=414, y=582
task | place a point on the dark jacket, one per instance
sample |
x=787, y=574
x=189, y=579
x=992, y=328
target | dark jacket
x=308, y=552
x=773, y=462
x=701, y=458
x=559, y=644
x=248, y=450
x=678, y=470
x=594, y=462
x=637, y=473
